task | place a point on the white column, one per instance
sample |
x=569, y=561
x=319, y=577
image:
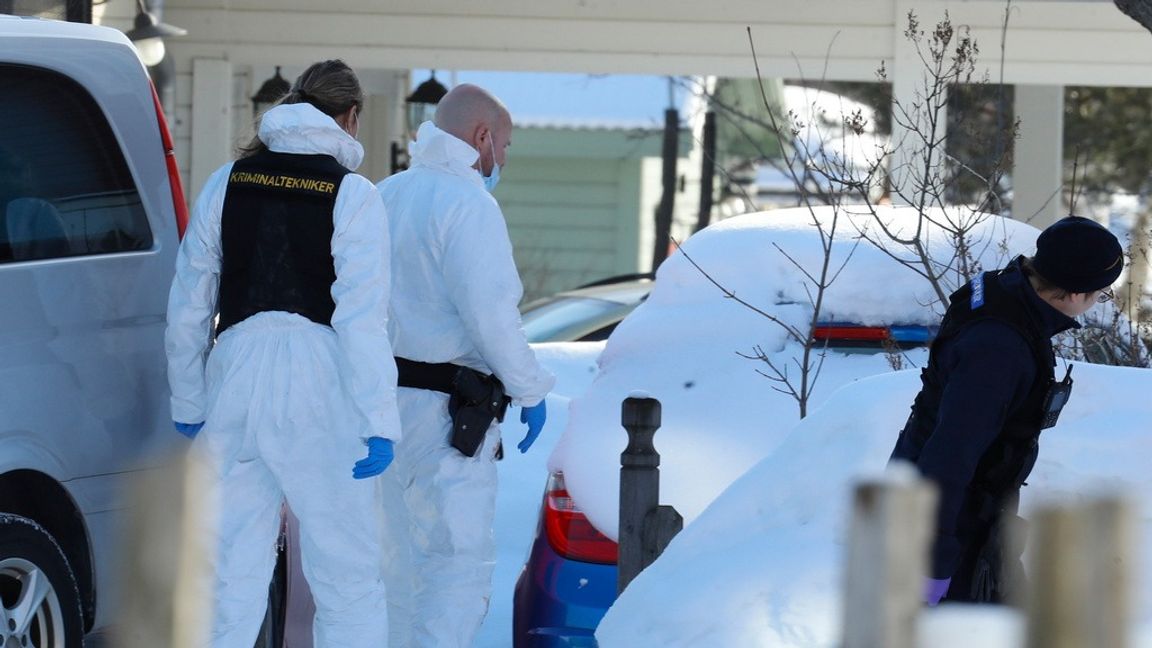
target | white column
x=1037, y=173
x=211, y=119
x=382, y=121
x=914, y=123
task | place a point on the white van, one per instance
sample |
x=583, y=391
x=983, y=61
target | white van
x=91, y=210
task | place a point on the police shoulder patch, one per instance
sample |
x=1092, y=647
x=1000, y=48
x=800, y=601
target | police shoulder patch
x=977, y=292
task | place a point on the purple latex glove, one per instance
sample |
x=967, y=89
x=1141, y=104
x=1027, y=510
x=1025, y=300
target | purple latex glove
x=935, y=589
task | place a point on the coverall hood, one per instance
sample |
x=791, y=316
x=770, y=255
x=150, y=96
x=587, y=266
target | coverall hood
x=438, y=149
x=302, y=128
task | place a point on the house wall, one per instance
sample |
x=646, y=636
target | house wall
x=580, y=203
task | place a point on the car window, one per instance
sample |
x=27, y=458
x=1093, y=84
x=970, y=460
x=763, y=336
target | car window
x=565, y=318
x=600, y=334
x=65, y=187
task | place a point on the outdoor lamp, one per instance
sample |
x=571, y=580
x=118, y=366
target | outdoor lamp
x=148, y=35
x=421, y=108
x=422, y=102
x=269, y=93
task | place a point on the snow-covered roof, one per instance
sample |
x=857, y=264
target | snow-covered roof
x=591, y=123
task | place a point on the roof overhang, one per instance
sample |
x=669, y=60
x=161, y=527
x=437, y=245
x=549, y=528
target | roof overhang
x=1088, y=42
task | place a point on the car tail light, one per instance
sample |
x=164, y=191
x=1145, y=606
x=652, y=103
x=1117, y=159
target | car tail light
x=569, y=532
x=173, y=171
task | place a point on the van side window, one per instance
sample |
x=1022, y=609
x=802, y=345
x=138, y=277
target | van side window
x=65, y=188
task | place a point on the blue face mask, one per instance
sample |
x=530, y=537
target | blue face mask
x=492, y=179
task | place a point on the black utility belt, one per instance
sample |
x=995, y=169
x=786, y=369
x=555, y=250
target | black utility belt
x=475, y=398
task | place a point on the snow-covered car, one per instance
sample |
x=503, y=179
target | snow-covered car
x=90, y=210
x=763, y=564
x=720, y=342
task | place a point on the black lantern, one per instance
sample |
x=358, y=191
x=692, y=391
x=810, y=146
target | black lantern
x=148, y=35
x=422, y=102
x=269, y=93
x=421, y=108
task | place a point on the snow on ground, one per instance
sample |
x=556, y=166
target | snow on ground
x=762, y=566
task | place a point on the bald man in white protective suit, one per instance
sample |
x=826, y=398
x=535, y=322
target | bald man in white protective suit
x=462, y=357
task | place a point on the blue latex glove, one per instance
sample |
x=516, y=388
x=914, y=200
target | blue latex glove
x=534, y=416
x=935, y=589
x=189, y=430
x=380, y=454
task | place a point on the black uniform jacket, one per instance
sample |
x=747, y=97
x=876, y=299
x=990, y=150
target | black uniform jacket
x=985, y=380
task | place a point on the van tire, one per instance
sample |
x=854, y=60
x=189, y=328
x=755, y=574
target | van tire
x=28, y=551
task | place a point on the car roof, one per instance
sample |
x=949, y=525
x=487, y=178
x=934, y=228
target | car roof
x=69, y=49
x=47, y=28
x=119, y=85
x=624, y=292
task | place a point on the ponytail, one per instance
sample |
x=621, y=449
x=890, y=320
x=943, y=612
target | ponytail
x=329, y=86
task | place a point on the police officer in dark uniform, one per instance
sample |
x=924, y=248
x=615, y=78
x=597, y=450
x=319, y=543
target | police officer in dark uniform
x=988, y=391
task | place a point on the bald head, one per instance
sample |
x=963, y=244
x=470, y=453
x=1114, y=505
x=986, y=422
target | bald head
x=467, y=107
x=475, y=116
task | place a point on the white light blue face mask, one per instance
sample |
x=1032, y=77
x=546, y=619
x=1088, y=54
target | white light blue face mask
x=492, y=179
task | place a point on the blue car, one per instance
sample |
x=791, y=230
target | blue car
x=569, y=581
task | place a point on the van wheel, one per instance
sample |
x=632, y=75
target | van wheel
x=39, y=600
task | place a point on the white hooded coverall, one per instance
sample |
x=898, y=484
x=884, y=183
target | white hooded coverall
x=455, y=292
x=286, y=403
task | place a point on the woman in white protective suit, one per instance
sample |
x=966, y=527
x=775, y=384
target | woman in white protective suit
x=285, y=268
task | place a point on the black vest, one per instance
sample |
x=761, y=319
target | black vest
x=1005, y=464
x=276, y=237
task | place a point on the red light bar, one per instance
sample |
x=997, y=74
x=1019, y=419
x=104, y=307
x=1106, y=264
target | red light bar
x=871, y=333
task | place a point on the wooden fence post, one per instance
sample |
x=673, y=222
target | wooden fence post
x=1081, y=576
x=887, y=557
x=646, y=528
x=166, y=560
